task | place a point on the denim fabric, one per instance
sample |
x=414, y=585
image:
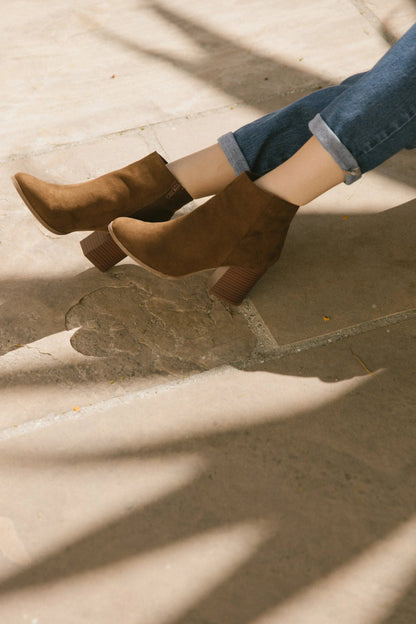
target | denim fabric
x=361, y=122
x=338, y=151
x=376, y=117
x=265, y=143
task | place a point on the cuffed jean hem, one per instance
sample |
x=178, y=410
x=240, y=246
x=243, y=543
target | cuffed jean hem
x=342, y=156
x=320, y=130
x=233, y=153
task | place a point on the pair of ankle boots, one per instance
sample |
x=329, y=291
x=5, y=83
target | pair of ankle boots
x=240, y=232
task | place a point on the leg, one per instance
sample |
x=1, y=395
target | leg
x=138, y=190
x=209, y=171
x=357, y=130
x=203, y=173
x=376, y=117
x=306, y=175
x=267, y=143
x=242, y=229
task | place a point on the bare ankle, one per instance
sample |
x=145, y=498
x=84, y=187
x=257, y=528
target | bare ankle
x=203, y=173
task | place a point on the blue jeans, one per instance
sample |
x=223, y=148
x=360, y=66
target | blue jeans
x=361, y=122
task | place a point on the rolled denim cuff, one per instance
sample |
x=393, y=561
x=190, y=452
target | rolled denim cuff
x=342, y=156
x=233, y=153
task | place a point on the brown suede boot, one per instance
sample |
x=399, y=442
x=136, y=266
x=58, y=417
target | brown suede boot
x=241, y=230
x=144, y=189
x=102, y=251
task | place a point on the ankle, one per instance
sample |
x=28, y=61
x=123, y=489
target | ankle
x=203, y=173
x=303, y=177
x=269, y=185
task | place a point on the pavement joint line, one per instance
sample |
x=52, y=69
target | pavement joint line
x=141, y=128
x=373, y=20
x=272, y=351
x=282, y=351
x=266, y=343
x=17, y=431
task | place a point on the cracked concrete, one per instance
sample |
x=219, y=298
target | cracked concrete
x=167, y=459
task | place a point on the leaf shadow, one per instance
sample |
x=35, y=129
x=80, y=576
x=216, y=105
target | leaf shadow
x=324, y=479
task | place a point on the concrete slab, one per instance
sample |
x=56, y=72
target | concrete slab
x=283, y=495
x=96, y=67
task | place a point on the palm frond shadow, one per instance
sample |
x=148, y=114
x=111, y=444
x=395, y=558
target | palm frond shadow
x=246, y=75
x=319, y=479
x=243, y=73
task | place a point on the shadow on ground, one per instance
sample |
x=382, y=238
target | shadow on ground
x=137, y=324
x=223, y=59
x=330, y=483
x=226, y=64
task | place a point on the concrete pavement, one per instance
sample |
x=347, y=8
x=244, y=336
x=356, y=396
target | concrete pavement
x=167, y=459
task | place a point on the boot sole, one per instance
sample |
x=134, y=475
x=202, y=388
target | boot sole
x=32, y=210
x=230, y=284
